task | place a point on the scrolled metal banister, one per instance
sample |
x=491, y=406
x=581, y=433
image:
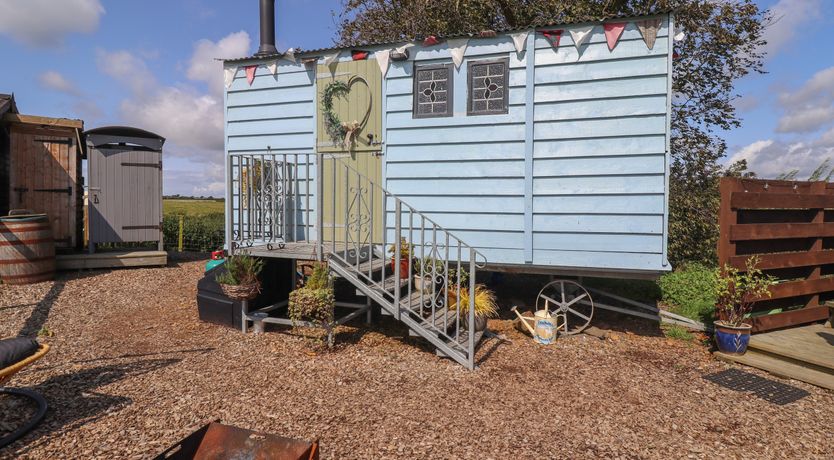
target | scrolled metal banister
x=442, y=256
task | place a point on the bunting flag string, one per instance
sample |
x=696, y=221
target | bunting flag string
x=273, y=67
x=613, y=32
x=250, y=73
x=383, y=58
x=457, y=46
x=520, y=40
x=229, y=76
x=553, y=36
x=580, y=35
x=648, y=29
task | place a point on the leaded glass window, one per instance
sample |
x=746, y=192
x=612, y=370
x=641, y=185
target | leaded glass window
x=433, y=91
x=488, y=92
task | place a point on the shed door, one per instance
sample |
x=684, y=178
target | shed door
x=43, y=176
x=125, y=204
x=362, y=106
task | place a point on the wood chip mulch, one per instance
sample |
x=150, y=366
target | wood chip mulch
x=132, y=371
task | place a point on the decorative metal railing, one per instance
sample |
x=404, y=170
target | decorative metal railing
x=377, y=230
x=270, y=199
x=417, y=270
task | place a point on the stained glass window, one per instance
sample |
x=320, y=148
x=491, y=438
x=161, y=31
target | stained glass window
x=433, y=91
x=488, y=93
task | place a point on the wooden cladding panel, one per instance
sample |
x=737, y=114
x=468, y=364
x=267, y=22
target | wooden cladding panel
x=784, y=224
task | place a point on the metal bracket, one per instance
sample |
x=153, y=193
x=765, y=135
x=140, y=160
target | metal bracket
x=67, y=190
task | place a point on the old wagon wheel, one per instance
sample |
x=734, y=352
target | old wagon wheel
x=569, y=298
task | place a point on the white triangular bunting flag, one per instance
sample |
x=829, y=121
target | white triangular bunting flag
x=402, y=49
x=273, y=68
x=382, y=58
x=648, y=29
x=680, y=36
x=580, y=35
x=290, y=55
x=520, y=40
x=229, y=75
x=331, y=58
x=457, y=46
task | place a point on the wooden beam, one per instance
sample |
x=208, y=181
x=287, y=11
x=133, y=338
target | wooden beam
x=741, y=200
x=45, y=121
x=786, y=259
x=800, y=288
x=747, y=232
x=788, y=318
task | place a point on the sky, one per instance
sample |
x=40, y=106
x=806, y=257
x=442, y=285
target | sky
x=152, y=64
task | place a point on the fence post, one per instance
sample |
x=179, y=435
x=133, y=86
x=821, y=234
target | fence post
x=179, y=240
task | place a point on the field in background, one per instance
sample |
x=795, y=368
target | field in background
x=193, y=225
x=191, y=207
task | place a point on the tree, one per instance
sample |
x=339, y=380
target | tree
x=723, y=43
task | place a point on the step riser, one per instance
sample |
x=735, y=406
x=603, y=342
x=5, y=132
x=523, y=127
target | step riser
x=791, y=360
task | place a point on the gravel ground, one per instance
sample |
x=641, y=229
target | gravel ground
x=132, y=371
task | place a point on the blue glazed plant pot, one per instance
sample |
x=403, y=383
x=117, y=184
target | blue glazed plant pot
x=732, y=340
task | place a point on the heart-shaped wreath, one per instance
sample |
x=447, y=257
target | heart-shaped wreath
x=342, y=133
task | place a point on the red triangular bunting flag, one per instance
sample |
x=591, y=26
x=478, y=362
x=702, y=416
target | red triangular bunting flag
x=613, y=31
x=358, y=55
x=250, y=73
x=555, y=36
x=431, y=40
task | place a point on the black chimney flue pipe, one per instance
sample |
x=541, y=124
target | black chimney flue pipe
x=267, y=29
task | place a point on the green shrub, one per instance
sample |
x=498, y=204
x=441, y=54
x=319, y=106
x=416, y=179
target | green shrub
x=315, y=302
x=240, y=270
x=690, y=291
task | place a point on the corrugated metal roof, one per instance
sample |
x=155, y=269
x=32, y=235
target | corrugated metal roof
x=310, y=53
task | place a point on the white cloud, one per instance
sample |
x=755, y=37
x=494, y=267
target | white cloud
x=204, y=66
x=805, y=120
x=811, y=106
x=180, y=114
x=53, y=80
x=789, y=16
x=45, y=23
x=191, y=119
x=128, y=69
x=817, y=91
x=769, y=158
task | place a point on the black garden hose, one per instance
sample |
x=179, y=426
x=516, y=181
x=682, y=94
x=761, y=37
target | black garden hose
x=32, y=422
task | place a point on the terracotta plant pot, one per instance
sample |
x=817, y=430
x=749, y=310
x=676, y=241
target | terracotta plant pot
x=732, y=340
x=404, y=263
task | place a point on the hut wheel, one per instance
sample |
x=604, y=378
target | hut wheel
x=570, y=299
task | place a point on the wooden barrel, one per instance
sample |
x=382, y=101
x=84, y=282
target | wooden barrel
x=27, y=249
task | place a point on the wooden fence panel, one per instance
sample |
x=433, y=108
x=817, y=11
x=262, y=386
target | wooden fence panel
x=786, y=225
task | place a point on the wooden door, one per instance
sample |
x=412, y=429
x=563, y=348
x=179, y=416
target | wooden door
x=125, y=203
x=44, y=171
x=349, y=200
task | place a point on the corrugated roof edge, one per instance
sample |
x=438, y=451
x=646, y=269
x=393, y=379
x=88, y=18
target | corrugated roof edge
x=311, y=53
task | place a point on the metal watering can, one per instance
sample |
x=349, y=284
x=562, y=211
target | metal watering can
x=545, y=327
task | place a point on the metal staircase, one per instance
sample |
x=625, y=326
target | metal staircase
x=361, y=230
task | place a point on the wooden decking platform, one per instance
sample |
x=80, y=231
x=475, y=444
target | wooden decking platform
x=114, y=259
x=802, y=353
x=301, y=250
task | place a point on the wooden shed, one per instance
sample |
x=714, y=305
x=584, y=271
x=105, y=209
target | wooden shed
x=40, y=170
x=125, y=200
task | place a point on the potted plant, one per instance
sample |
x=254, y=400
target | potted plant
x=428, y=269
x=486, y=306
x=239, y=280
x=736, y=293
x=315, y=302
x=405, y=257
